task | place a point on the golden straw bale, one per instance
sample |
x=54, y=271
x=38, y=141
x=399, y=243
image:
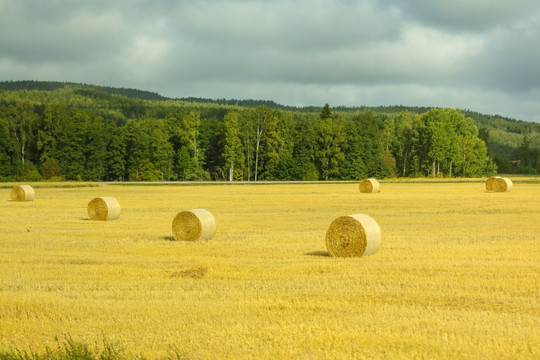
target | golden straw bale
x=369, y=186
x=353, y=235
x=22, y=193
x=104, y=208
x=194, y=225
x=502, y=185
x=489, y=182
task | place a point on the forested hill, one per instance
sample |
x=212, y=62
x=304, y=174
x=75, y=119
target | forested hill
x=78, y=131
x=493, y=121
x=56, y=85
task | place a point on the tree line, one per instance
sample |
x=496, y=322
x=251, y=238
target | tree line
x=86, y=134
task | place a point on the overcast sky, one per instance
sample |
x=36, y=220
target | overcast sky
x=482, y=55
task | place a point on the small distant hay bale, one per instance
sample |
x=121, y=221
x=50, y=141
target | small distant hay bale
x=194, y=225
x=104, y=208
x=369, y=186
x=489, y=182
x=22, y=193
x=353, y=236
x=502, y=185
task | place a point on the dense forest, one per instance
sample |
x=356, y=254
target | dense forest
x=69, y=131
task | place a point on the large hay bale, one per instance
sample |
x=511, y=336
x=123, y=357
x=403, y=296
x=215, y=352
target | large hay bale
x=489, y=182
x=502, y=185
x=353, y=235
x=104, y=208
x=22, y=193
x=193, y=225
x=369, y=186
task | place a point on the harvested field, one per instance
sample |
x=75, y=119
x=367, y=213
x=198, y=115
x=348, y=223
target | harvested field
x=456, y=275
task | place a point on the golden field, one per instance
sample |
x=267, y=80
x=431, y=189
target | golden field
x=457, y=275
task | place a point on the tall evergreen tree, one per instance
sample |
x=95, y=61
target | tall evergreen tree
x=332, y=140
x=305, y=147
x=116, y=156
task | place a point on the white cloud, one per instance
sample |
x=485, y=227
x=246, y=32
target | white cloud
x=143, y=59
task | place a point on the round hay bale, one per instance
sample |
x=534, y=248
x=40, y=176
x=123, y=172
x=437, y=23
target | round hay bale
x=502, y=185
x=104, y=208
x=194, y=225
x=353, y=235
x=369, y=186
x=489, y=182
x=22, y=193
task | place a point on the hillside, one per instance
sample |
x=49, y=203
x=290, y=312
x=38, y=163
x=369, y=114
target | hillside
x=290, y=144
x=57, y=85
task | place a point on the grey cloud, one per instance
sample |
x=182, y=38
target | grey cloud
x=57, y=34
x=466, y=15
x=302, y=26
x=457, y=53
x=511, y=61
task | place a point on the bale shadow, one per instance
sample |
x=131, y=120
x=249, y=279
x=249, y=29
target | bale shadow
x=168, y=238
x=318, y=253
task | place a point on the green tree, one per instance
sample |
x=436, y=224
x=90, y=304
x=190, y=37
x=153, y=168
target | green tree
x=116, y=156
x=388, y=165
x=21, y=125
x=211, y=144
x=95, y=139
x=402, y=146
x=50, y=168
x=161, y=151
x=305, y=147
x=370, y=131
x=332, y=140
x=69, y=147
x=445, y=136
x=278, y=146
x=248, y=140
x=6, y=168
x=148, y=172
x=147, y=140
x=184, y=165
x=273, y=150
x=326, y=113
x=260, y=116
x=354, y=167
x=526, y=156
x=189, y=135
x=233, y=153
x=53, y=122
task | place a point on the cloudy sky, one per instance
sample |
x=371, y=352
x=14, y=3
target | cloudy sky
x=482, y=55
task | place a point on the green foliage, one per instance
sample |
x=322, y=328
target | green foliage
x=115, y=157
x=189, y=135
x=445, y=142
x=148, y=172
x=28, y=172
x=184, y=164
x=304, y=151
x=332, y=142
x=50, y=168
x=326, y=113
x=70, y=349
x=6, y=150
x=232, y=152
x=85, y=132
